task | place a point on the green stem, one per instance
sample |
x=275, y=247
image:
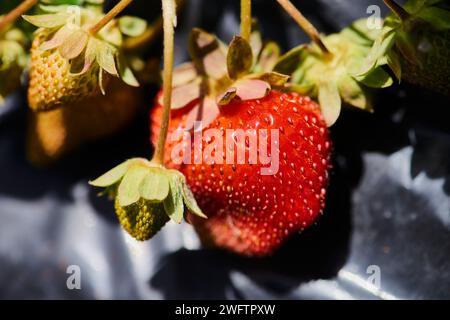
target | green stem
x=169, y=21
x=246, y=19
x=118, y=8
x=17, y=12
x=397, y=9
x=307, y=26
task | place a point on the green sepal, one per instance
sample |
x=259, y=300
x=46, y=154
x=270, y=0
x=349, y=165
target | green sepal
x=114, y=175
x=75, y=43
x=129, y=190
x=188, y=197
x=290, y=61
x=208, y=54
x=143, y=189
x=268, y=57
x=173, y=204
x=48, y=20
x=155, y=185
x=330, y=101
x=239, y=58
x=370, y=73
x=329, y=77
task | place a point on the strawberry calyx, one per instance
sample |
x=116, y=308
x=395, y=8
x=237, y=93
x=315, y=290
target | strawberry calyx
x=400, y=39
x=139, y=182
x=219, y=74
x=328, y=76
x=67, y=30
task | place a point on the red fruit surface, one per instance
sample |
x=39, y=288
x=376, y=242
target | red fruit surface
x=249, y=213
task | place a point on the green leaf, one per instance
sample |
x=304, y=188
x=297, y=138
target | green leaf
x=290, y=61
x=132, y=26
x=114, y=175
x=74, y=44
x=105, y=57
x=239, y=58
x=173, y=204
x=48, y=20
x=330, y=101
x=437, y=17
x=155, y=186
x=128, y=191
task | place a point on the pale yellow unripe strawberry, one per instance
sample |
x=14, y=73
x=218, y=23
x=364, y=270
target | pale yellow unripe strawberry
x=54, y=134
x=70, y=62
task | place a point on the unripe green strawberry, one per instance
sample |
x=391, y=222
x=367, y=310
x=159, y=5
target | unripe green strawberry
x=432, y=68
x=414, y=44
x=147, y=196
x=141, y=219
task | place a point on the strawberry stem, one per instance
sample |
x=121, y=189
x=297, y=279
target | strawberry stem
x=169, y=22
x=397, y=9
x=307, y=26
x=118, y=8
x=246, y=19
x=17, y=12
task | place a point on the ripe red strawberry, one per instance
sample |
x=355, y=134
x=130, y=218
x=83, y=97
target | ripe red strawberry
x=250, y=213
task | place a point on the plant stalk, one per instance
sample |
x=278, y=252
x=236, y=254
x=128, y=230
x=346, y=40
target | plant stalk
x=310, y=30
x=118, y=8
x=16, y=13
x=169, y=22
x=246, y=19
x=397, y=9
